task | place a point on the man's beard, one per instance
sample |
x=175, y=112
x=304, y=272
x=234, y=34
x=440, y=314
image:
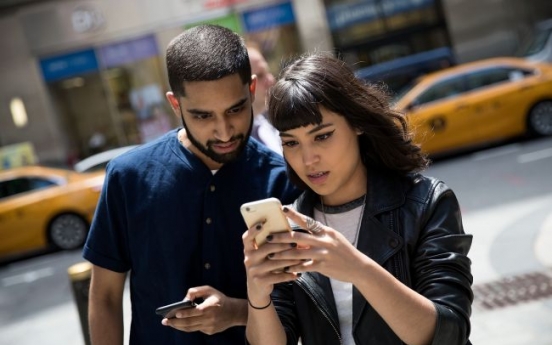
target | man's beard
x=208, y=148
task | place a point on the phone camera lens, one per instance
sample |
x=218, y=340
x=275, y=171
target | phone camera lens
x=247, y=209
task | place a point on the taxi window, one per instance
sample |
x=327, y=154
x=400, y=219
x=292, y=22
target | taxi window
x=495, y=75
x=22, y=185
x=441, y=90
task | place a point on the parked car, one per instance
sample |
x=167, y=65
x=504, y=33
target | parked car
x=539, y=47
x=45, y=207
x=479, y=102
x=99, y=161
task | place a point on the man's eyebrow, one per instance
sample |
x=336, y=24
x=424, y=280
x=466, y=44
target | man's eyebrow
x=201, y=111
x=315, y=129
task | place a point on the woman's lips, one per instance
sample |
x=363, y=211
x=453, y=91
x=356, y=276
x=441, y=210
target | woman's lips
x=319, y=177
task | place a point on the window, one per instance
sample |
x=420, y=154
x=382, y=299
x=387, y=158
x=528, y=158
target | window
x=22, y=185
x=495, y=75
x=444, y=89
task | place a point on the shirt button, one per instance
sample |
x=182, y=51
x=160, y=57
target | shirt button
x=393, y=243
x=207, y=266
x=208, y=221
x=212, y=188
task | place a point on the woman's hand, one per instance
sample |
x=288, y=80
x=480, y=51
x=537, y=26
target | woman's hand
x=325, y=251
x=262, y=272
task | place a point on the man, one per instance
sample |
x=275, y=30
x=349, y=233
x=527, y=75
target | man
x=169, y=210
x=262, y=129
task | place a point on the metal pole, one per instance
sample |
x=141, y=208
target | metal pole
x=80, y=281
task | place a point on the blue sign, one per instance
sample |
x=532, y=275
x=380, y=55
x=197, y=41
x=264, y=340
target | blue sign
x=399, y=6
x=69, y=65
x=342, y=16
x=268, y=17
x=122, y=53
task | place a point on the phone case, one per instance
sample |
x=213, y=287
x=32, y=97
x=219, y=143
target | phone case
x=267, y=209
x=169, y=310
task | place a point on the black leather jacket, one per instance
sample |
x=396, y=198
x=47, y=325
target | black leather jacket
x=412, y=227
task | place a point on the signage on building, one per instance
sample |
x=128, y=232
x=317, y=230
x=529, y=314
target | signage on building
x=341, y=16
x=87, y=19
x=211, y=4
x=121, y=53
x=268, y=17
x=231, y=21
x=68, y=65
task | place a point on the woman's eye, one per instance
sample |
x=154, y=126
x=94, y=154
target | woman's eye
x=324, y=136
x=290, y=143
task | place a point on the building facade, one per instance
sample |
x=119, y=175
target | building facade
x=90, y=74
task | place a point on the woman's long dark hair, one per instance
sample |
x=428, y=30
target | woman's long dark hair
x=321, y=80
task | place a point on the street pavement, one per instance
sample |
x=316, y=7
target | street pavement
x=511, y=263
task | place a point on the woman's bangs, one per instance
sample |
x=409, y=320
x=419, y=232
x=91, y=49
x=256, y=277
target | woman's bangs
x=293, y=109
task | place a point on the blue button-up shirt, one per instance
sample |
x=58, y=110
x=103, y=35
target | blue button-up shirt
x=174, y=224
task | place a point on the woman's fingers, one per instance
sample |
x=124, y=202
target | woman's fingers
x=305, y=222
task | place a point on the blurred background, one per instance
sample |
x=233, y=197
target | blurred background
x=87, y=77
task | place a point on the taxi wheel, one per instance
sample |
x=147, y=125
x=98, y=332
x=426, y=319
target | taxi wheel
x=67, y=231
x=539, y=120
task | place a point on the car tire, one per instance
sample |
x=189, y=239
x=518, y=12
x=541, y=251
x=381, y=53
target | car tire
x=67, y=231
x=539, y=120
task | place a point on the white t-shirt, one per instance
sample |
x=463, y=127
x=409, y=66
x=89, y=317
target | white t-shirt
x=347, y=223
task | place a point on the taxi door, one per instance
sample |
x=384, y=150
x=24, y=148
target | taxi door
x=497, y=98
x=441, y=118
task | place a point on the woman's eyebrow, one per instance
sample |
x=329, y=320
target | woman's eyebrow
x=314, y=130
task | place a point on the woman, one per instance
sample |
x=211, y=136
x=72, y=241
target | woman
x=384, y=260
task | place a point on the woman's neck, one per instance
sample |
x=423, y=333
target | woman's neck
x=354, y=189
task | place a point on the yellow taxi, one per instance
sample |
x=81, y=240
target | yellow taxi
x=477, y=103
x=44, y=207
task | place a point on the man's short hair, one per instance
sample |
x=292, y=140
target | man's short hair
x=205, y=53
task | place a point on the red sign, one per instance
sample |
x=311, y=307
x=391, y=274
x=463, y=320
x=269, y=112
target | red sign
x=210, y=4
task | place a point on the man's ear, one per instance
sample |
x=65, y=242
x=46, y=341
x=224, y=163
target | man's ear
x=253, y=87
x=173, y=101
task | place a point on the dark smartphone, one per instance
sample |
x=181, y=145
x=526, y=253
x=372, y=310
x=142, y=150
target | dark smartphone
x=169, y=311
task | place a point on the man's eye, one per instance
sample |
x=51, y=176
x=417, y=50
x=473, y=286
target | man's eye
x=235, y=110
x=201, y=116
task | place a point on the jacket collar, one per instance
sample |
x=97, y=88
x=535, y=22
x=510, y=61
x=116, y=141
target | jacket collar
x=384, y=193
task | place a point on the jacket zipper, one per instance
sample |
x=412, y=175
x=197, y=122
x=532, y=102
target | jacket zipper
x=321, y=309
x=398, y=258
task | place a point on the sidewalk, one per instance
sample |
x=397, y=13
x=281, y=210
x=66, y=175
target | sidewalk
x=512, y=268
x=511, y=252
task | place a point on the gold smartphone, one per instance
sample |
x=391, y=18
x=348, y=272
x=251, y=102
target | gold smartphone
x=267, y=210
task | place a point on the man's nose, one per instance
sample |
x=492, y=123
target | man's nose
x=223, y=130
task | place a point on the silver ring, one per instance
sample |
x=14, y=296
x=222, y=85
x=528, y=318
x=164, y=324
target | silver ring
x=313, y=225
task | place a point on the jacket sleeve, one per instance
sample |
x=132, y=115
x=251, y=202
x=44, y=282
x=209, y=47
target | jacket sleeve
x=441, y=268
x=283, y=300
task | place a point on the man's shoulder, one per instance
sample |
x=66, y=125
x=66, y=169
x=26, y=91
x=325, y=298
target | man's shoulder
x=258, y=152
x=153, y=150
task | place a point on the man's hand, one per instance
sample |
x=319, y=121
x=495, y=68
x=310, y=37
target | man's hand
x=216, y=314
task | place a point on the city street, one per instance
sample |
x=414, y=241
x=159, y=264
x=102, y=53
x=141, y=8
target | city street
x=506, y=197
